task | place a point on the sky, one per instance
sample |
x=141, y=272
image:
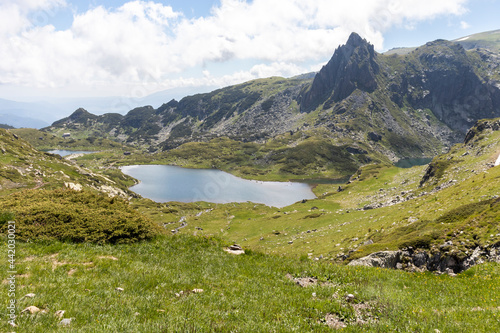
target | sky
x=75, y=48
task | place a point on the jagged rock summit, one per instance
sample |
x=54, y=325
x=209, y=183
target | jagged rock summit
x=352, y=66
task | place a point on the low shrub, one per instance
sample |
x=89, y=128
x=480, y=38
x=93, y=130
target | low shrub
x=72, y=216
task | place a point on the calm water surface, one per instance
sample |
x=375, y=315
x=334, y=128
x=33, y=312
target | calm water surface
x=163, y=183
x=63, y=152
x=411, y=162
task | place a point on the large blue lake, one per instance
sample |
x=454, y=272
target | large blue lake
x=163, y=183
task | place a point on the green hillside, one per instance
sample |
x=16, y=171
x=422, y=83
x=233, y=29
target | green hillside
x=48, y=141
x=24, y=167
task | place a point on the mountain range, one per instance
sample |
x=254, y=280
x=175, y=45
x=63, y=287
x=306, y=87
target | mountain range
x=412, y=104
x=41, y=113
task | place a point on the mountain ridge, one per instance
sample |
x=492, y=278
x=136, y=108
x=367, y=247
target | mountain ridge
x=397, y=105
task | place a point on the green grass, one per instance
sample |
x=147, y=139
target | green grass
x=247, y=293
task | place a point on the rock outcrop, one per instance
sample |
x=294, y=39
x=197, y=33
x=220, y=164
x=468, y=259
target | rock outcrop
x=438, y=261
x=383, y=259
x=480, y=127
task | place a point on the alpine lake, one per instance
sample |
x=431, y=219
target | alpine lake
x=163, y=183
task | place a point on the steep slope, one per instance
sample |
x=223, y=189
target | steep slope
x=22, y=167
x=443, y=77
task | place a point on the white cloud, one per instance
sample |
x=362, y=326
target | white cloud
x=147, y=43
x=15, y=14
x=464, y=25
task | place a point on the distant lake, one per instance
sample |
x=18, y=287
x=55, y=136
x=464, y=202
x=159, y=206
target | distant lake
x=163, y=183
x=411, y=162
x=63, y=152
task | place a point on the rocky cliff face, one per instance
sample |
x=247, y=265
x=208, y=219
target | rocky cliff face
x=443, y=77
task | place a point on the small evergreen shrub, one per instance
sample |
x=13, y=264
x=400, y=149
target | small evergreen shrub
x=71, y=216
x=5, y=217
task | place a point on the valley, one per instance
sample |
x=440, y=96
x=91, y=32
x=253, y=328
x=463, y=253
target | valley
x=115, y=261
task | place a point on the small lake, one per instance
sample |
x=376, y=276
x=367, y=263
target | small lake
x=411, y=162
x=163, y=183
x=63, y=152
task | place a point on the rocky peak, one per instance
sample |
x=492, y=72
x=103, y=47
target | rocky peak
x=79, y=116
x=355, y=40
x=167, y=106
x=352, y=66
x=442, y=53
x=139, y=116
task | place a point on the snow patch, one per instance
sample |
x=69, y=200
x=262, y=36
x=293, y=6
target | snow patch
x=497, y=163
x=461, y=39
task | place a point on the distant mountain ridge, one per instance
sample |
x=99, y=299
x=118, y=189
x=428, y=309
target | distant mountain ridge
x=489, y=40
x=486, y=40
x=398, y=105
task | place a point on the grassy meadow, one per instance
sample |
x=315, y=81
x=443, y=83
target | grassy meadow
x=246, y=293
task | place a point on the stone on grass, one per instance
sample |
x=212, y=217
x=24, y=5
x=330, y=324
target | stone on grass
x=234, y=249
x=66, y=321
x=384, y=259
x=333, y=321
x=31, y=309
x=59, y=313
